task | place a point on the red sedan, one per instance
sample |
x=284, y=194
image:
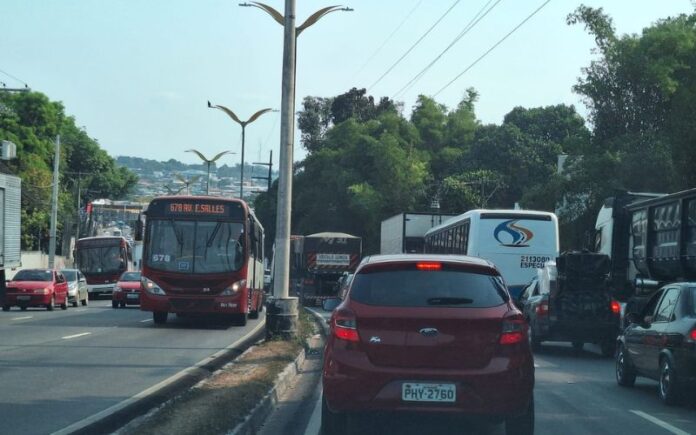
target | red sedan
x=428, y=334
x=37, y=288
x=127, y=290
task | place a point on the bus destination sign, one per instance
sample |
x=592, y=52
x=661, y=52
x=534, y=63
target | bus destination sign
x=189, y=208
x=193, y=208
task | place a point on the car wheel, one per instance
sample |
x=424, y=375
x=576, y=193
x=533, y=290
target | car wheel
x=608, y=348
x=75, y=302
x=239, y=319
x=6, y=308
x=669, y=391
x=64, y=305
x=625, y=373
x=51, y=304
x=123, y=305
x=159, y=317
x=332, y=423
x=578, y=345
x=23, y=308
x=114, y=304
x=534, y=340
x=85, y=301
x=521, y=424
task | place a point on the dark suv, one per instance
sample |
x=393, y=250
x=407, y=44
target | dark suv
x=432, y=334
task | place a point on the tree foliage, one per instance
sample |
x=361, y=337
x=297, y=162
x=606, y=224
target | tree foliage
x=32, y=122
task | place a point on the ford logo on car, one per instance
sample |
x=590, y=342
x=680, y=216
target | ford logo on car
x=429, y=332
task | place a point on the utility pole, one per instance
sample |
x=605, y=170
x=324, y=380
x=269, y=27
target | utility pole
x=281, y=317
x=54, y=207
x=270, y=170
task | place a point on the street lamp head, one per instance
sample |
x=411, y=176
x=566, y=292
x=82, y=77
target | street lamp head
x=246, y=5
x=347, y=9
x=209, y=105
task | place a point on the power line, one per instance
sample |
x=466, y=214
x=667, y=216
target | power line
x=470, y=25
x=415, y=44
x=492, y=48
x=388, y=39
x=14, y=77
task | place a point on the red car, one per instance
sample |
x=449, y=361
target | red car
x=126, y=290
x=428, y=334
x=37, y=288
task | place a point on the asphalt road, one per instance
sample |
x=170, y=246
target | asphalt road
x=57, y=368
x=575, y=393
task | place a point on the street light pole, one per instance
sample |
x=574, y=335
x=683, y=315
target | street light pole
x=209, y=162
x=236, y=119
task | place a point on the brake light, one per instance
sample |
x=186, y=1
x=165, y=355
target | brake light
x=692, y=334
x=514, y=331
x=542, y=309
x=615, y=307
x=428, y=266
x=345, y=326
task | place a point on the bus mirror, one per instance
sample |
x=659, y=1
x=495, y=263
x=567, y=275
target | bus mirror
x=138, y=229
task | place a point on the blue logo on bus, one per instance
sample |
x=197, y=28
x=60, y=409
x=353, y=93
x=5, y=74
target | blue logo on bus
x=519, y=236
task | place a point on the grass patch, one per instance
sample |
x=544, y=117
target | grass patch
x=221, y=402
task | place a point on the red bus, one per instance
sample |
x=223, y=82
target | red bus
x=202, y=255
x=102, y=260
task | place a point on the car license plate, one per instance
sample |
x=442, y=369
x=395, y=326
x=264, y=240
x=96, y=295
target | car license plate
x=132, y=296
x=24, y=298
x=416, y=392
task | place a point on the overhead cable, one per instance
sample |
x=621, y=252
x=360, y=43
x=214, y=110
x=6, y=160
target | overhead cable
x=492, y=48
x=376, y=52
x=470, y=25
x=415, y=44
x=14, y=77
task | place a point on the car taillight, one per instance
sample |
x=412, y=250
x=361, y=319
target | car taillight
x=692, y=335
x=542, y=309
x=615, y=307
x=429, y=266
x=344, y=326
x=514, y=331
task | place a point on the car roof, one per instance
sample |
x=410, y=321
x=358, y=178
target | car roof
x=453, y=259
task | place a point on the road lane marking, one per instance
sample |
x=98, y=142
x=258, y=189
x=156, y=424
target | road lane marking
x=79, y=311
x=23, y=318
x=146, y=320
x=68, y=337
x=657, y=421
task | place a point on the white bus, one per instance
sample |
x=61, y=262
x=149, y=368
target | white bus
x=518, y=242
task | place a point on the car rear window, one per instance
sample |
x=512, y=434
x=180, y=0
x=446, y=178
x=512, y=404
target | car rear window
x=70, y=275
x=33, y=275
x=418, y=288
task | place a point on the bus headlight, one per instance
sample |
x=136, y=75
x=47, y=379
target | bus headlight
x=151, y=287
x=234, y=288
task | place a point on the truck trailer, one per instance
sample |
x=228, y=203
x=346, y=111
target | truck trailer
x=405, y=232
x=10, y=226
x=651, y=240
x=319, y=260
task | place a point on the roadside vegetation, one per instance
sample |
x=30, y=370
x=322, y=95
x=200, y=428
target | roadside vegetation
x=366, y=161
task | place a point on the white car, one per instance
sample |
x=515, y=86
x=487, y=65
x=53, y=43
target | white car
x=77, y=286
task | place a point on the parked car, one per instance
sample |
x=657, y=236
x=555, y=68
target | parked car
x=77, y=286
x=660, y=343
x=431, y=334
x=37, y=288
x=126, y=290
x=574, y=307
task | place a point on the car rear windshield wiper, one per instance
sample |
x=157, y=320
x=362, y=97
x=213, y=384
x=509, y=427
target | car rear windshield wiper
x=450, y=301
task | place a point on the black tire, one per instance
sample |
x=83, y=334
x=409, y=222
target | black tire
x=85, y=301
x=75, y=302
x=625, y=373
x=159, y=317
x=522, y=424
x=608, y=348
x=332, y=423
x=23, y=308
x=64, y=305
x=6, y=308
x=668, y=389
x=240, y=319
x=51, y=304
x=114, y=304
x=578, y=345
x=123, y=305
x=534, y=340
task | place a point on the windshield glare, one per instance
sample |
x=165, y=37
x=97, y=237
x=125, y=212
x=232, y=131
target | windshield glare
x=33, y=275
x=100, y=259
x=414, y=288
x=195, y=246
x=70, y=275
x=130, y=276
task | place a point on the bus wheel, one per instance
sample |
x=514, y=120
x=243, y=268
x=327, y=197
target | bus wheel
x=240, y=319
x=159, y=317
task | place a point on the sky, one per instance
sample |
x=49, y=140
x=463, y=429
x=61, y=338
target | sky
x=137, y=74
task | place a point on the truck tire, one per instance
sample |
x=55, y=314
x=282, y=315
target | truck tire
x=608, y=348
x=578, y=345
x=159, y=317
x=6, y=308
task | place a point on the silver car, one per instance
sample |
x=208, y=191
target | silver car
x=77, y=286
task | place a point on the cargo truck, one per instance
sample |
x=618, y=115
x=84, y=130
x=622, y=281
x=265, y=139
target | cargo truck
x=319, y=260
x=10, y=226
x=405, y=232
x=651, y=240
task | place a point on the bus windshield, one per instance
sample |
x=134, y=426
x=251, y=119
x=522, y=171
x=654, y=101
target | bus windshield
x=100, y=259
x=188, y=246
